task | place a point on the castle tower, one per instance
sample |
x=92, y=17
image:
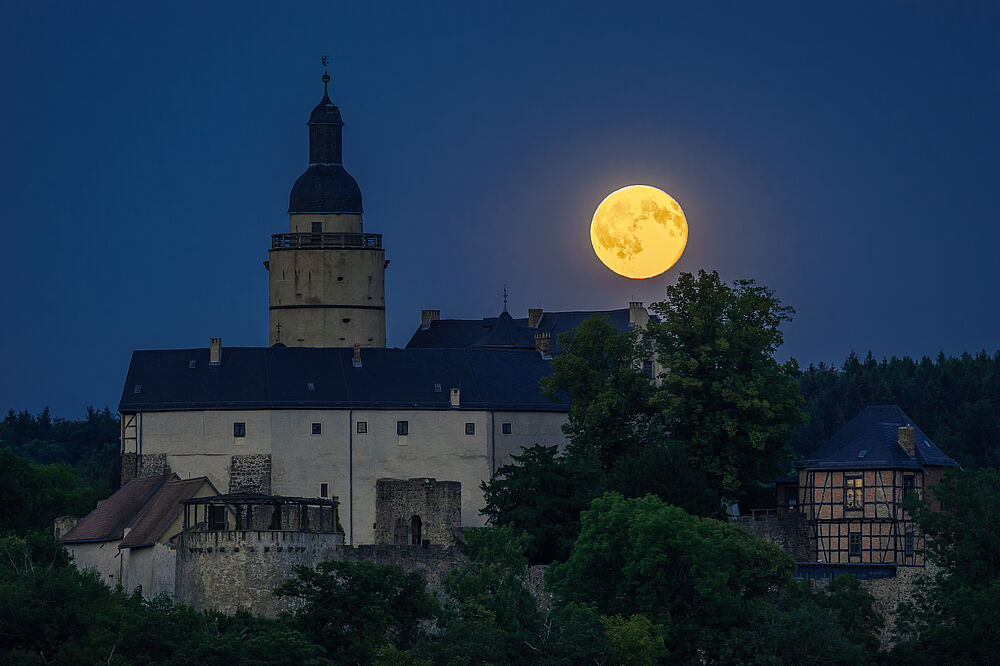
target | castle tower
x=326, y=277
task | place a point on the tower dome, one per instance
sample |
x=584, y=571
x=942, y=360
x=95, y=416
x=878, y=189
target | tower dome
x=325, y=187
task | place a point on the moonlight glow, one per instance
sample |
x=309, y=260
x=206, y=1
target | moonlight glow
x=639, y=231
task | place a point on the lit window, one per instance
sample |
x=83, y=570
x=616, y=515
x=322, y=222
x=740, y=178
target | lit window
x=317, y=428
x=854, y=492
x=470, y=428
x=505, y=428
x=239, y=430
x=324, y=490
x=362, y=427
x=402, y=427
x=854, y=545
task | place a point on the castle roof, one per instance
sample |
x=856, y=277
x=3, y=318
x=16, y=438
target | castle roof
x=871, y=441
x=444, y=333
x=162, y=511
x=327, y=378
x=108, y=521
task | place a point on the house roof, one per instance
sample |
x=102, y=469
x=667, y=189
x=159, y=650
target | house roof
x=452, y=333
x=326, y=378
x=871, y=441
x=108, y=521
x=162, y=511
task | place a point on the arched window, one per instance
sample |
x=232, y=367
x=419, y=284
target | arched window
x=415, y=531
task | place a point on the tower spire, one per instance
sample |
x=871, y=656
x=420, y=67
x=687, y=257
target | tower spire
x=326, y=76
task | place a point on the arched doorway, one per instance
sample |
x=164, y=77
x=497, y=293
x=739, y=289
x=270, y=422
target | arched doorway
x=415, y=531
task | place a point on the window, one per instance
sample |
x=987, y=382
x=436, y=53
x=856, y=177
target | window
x=854, y=545
x=192, y=363
x=909, y=545
x=311, y=386
x=317, y=227
x=437, y=388
x=505, y=428
x=216, y=517
x=909, y=484
x=647, y=369
x=362, y=427
x=414, y=529
x=324, y=490
x=854, y=492
x=470, y=428
x=239, y=430
x=402, y=427
x=317, y=428
x=137, y=388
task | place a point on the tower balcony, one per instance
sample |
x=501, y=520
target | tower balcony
x=326, y=241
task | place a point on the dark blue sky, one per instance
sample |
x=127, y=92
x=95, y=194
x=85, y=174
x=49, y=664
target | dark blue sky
x=846, y=156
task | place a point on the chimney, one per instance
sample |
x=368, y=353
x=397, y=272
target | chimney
x=357, y=356
x=215, y=351
x=427, y=316
x=456, y=397
x=543, y=343
x=907, y=436
x=637, y=315
x=534, y=316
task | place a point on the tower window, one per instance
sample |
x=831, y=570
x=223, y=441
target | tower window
x=470, y=428
x=317, y=227
x=239, y=430
x=854, y=545
x=505, y=428
x=362, y=427
x=324, y=490
x=854, y=492
x=402, y=427
x=317, y=428
x=647, y=369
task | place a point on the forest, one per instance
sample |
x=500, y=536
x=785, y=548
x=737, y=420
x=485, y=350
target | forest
x=642, y=565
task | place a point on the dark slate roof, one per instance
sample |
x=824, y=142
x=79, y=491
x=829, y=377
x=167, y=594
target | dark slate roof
x=450, y=333
x=325, y=113
x=875, y=431
x=162, y=511
x=325, y=188
x=278, y=377
x=108, y=521
x=507, y=333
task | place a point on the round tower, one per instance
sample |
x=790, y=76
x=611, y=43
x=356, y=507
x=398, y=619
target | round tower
x=326, y=277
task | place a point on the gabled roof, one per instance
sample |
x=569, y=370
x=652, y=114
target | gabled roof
x=326, y=378
x=108, y=521
x=162, y=511
x=507, y=333
x=871, y=441
x=453, y=333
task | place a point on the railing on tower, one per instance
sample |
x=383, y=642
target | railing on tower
x=321, y=241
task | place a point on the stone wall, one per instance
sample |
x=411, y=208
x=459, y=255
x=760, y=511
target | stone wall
x=227, y=570
x=433, y=562
x=250, y=474
x=136, y=466
x=437, y=505
x=129, y=466
x=790, y=532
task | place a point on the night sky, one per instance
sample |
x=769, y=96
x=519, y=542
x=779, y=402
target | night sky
x=845, y=156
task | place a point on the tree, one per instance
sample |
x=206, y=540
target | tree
x=723, y=394
x=611, y=410
x=692, y=575
x=32, y=496
x=355, y=610
x=543, y=494
x=952, y=615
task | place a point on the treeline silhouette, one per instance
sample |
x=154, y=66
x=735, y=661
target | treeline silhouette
x=954, y=399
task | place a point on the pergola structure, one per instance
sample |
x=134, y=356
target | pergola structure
x=252, y=511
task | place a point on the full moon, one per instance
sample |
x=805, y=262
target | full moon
x=639, y=231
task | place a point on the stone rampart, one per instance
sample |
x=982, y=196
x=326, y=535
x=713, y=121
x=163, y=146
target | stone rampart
x=227, y=570
x=433, y=562
x=411, y=511
x=790, y=532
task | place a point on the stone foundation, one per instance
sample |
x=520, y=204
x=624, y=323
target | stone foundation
x=789, y=532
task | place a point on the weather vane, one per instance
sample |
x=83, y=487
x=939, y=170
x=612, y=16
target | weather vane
x=326, y=77
x=505, y=294
x=279, y=333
